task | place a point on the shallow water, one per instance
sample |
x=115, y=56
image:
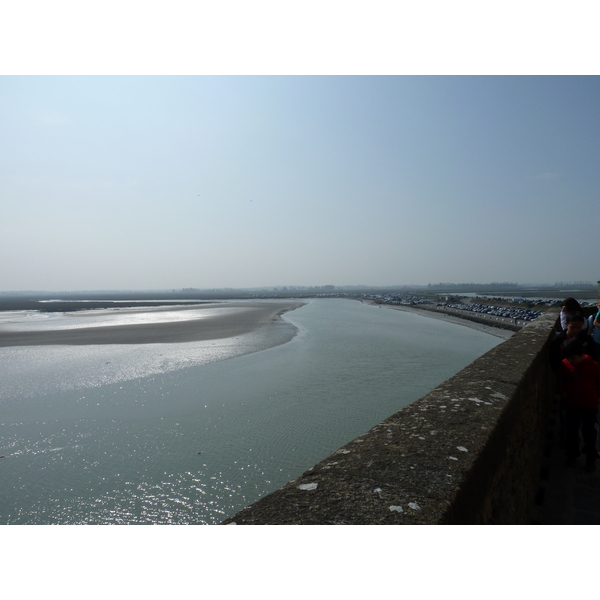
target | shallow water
x=143, y=440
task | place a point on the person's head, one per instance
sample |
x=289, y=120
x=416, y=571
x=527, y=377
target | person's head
x=570, y=305
x=574, y=324
x=573, y=350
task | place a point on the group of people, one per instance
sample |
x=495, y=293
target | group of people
x=574, y=356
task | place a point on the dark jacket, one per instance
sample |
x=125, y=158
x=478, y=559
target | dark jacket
x=556, y=355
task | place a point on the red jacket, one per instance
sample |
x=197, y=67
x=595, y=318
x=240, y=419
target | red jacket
x=580, y=384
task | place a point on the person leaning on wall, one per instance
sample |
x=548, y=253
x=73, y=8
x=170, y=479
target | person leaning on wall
x=569, y=306
x=575, y=328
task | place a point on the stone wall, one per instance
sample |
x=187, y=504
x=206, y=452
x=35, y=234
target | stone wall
x=469, y=452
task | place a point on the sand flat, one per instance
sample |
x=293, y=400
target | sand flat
x=247, y=317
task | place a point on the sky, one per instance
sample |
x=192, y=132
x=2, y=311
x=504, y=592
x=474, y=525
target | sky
x=160, y=182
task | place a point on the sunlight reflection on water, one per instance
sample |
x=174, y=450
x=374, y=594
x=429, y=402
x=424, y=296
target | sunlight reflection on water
x=109, y=317
x=33, y=370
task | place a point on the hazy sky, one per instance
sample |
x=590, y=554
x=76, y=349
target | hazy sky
x=201, y=181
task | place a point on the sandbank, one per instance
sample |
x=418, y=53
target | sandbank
x=221, y=324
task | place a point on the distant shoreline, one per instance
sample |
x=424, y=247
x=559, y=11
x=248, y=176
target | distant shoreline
x=208, y=327
x=499, y=330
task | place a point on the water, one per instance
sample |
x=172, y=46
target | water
x=143, y=440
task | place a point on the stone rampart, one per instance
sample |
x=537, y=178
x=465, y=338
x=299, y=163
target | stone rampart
x=469, y=452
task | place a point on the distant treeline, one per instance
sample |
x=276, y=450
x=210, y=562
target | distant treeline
x=474, y=287
x=505, y=287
